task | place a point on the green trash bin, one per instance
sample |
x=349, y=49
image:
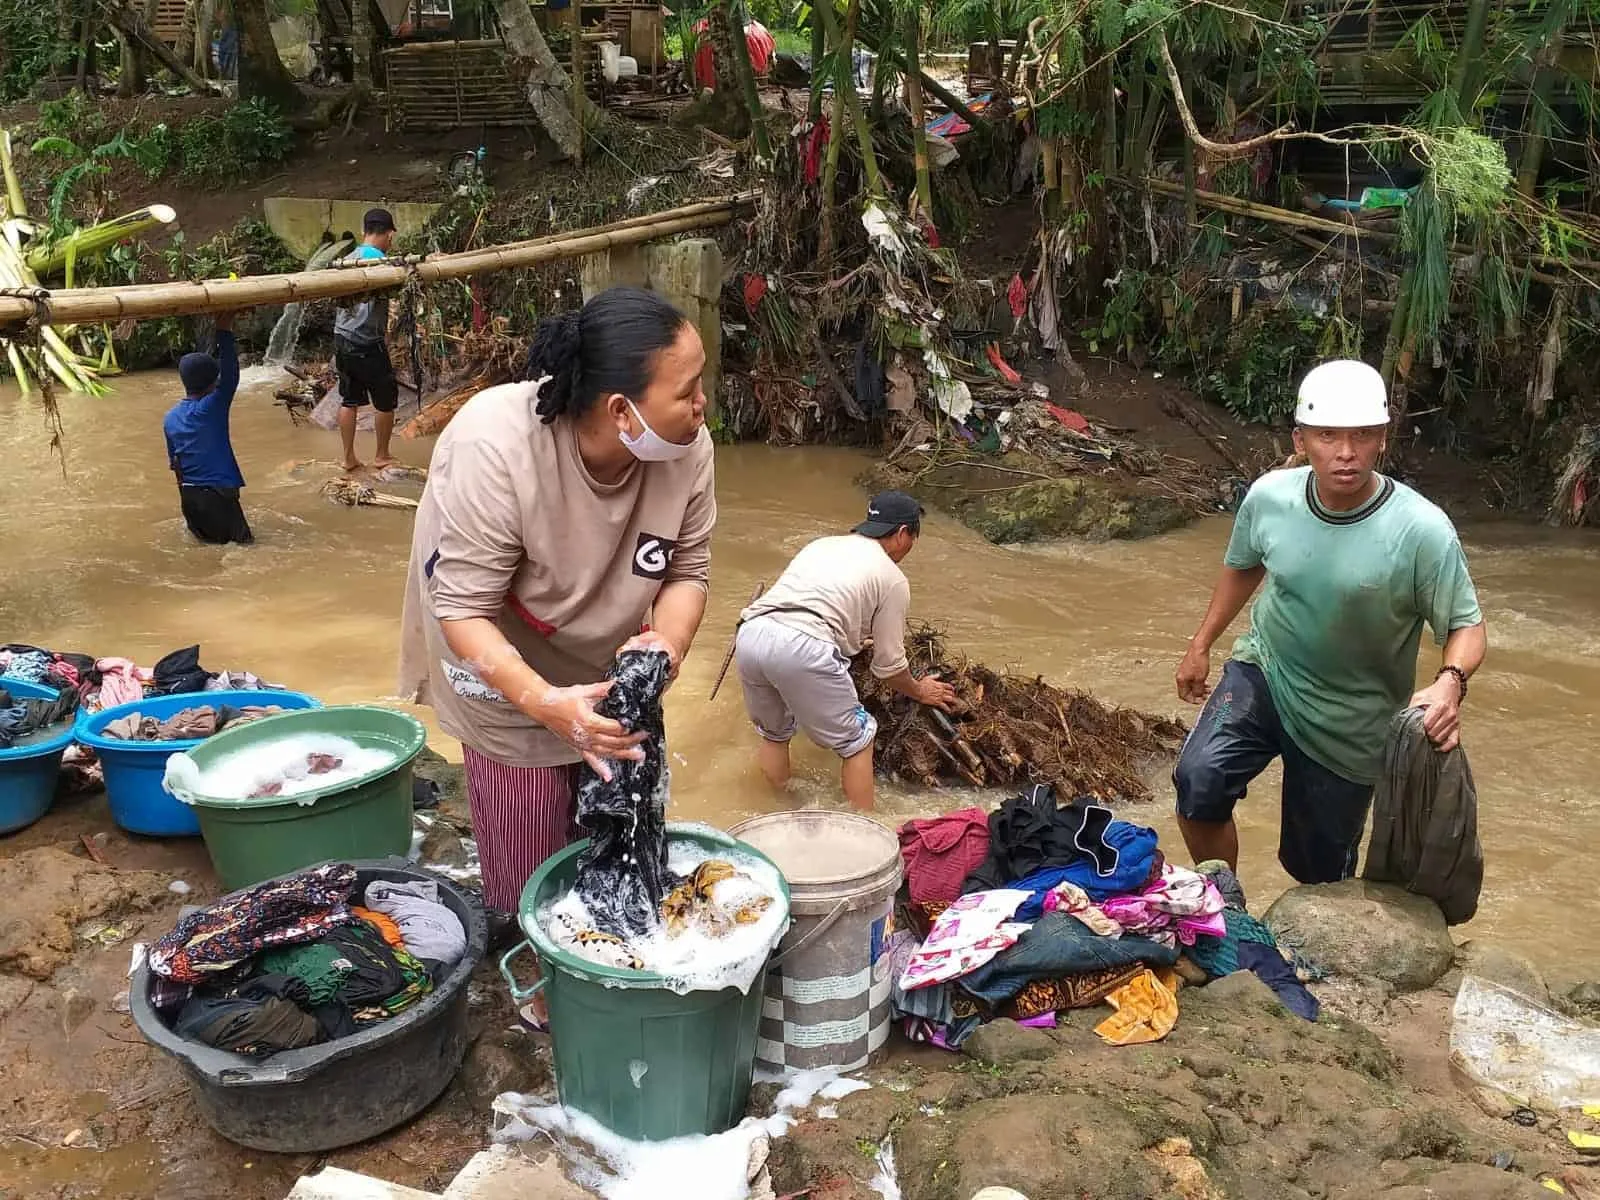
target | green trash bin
x=250, y=840
x=647, y=1063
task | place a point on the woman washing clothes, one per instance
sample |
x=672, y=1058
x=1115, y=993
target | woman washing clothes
x=560, y=514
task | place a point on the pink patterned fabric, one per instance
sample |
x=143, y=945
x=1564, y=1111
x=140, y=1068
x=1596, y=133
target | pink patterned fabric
x=1173, y=911
x=967, y=934
x=120, y=681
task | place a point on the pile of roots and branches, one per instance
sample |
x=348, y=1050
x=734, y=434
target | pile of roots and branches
x=1577, y=494
x=1012, y=730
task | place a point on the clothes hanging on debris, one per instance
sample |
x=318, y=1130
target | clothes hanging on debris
x=1277, y=973
x=1425, y=821
x=191, y=724
x=622, y=876
x=1176, y=909
x=1033, y=838
x=967, y=934
x=221, y=936
x=940, y=852
x=261, y=1016
x=1055, y=946
x=179, y=672
x=1147, y=1009
x=21, y=716
x=431, y=931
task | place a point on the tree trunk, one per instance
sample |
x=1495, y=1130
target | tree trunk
x=844, y=81
x=262, y=74
x=1469, y=59
x=746, y=71
x=133, y=27
x=361, y=43
x=819, y=48
x=919, y=131
x=1538, y=127
x=186, y=36
x=205, y=21
x=549, y=89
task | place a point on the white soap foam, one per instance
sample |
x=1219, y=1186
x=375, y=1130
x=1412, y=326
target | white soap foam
x=237, y=775
x=693, y=960
x=886, y=1182
x=687, y=1168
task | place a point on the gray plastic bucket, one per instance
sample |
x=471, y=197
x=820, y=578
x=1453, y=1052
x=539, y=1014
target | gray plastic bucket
x=827, y=993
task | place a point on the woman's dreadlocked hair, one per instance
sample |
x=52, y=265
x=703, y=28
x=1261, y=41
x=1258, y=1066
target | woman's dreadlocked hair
x=609, y=346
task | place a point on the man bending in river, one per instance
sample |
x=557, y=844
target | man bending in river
x=199, y=449
x=1353, y=563
x=795, y=644
x=361, y=352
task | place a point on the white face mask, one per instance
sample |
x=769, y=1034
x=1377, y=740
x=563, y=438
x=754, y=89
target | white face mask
x=650, y=446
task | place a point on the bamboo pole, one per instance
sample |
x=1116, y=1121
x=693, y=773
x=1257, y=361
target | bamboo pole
x=47, y=259
x=745, y=70
x=844, y=79
x=141, y=301
x=14, y=202
x=919, y=132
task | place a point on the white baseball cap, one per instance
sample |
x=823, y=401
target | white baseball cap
x=1344, y=394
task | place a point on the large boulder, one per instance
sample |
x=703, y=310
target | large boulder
x=1002, y=1043
x=1485, y=960
x=1371, y=930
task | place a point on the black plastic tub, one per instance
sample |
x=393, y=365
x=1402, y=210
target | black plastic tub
x=336, y=1093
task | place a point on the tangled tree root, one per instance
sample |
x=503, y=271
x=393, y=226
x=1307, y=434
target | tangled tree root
x=1013, y=730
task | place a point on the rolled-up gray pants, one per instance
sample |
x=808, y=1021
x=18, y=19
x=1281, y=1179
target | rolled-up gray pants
x=793, y=680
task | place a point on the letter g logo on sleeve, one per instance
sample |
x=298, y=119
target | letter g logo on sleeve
x=653, y=556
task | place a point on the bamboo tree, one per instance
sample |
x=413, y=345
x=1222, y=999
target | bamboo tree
x=361, y=43
x=745, y=70
x=1545, y=70
x=1469, y=59
x=852, y=100
x=819, y=49
x=844, y=79
x=919, y=132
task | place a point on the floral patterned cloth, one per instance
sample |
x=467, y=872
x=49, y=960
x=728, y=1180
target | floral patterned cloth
x=302, y=908
x=965, y=936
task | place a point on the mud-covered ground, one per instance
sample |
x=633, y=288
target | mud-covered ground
x=1241, y=1101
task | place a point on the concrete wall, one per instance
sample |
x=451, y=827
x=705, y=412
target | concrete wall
x=687, y=273
x=301, y=223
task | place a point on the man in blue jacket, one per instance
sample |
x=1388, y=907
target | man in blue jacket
x=199, y=449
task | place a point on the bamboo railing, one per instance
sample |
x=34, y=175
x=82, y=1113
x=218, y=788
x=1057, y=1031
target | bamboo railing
x=78, y=306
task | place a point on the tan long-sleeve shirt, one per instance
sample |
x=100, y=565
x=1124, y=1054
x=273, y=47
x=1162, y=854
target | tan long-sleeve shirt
x=844, y=590
x=513, y=527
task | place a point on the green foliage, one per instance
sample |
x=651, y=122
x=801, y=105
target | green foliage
x=27, y=32
x=229, y=147
x=73, y=116
x=1252, y=368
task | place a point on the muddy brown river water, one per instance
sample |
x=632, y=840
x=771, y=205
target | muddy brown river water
x=96, y=559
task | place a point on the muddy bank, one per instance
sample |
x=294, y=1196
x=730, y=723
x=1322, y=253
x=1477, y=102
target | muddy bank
x=1242, y=1100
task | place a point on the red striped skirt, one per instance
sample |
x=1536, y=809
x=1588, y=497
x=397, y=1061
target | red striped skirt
x=520, y=817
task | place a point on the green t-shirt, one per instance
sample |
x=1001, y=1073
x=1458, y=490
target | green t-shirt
x=1336, y=626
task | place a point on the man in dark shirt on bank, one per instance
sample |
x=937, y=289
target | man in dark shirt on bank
x=199, y=449
x=360, y=352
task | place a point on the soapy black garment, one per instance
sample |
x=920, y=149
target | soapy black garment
x=623, y=876
x=20, y=716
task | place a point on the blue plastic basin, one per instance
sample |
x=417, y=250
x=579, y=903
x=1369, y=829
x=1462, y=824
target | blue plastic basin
x=28, y=773
x=134, y=770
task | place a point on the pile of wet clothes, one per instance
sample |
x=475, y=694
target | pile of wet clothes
x=302, y=960
x=23, y=716
x=1043, y=906
x=190, y=724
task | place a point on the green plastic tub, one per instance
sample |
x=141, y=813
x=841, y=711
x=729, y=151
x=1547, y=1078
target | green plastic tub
x=645, y=1062
x=365, y=817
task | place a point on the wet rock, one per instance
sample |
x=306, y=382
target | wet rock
x=1485, y=960
x=442, y=847
x=451, y=779
x=1365, y=929
x=506, y=1060
x=50, y=893
x=1004, y=1043
x=1585, y=998
x=1462, y=1181
x=1077, y=506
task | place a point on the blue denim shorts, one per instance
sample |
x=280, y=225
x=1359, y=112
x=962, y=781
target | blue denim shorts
x=1237, y=735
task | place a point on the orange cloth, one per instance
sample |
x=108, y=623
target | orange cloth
x=385, y=925
x=1147, y=1009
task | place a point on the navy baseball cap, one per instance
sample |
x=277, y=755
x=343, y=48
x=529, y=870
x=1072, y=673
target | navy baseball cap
x=887, y=511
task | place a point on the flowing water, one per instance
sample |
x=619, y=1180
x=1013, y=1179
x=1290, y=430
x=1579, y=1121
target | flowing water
x=286, y=333
x=97, y=560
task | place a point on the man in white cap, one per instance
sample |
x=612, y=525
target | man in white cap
x=1354, y=563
